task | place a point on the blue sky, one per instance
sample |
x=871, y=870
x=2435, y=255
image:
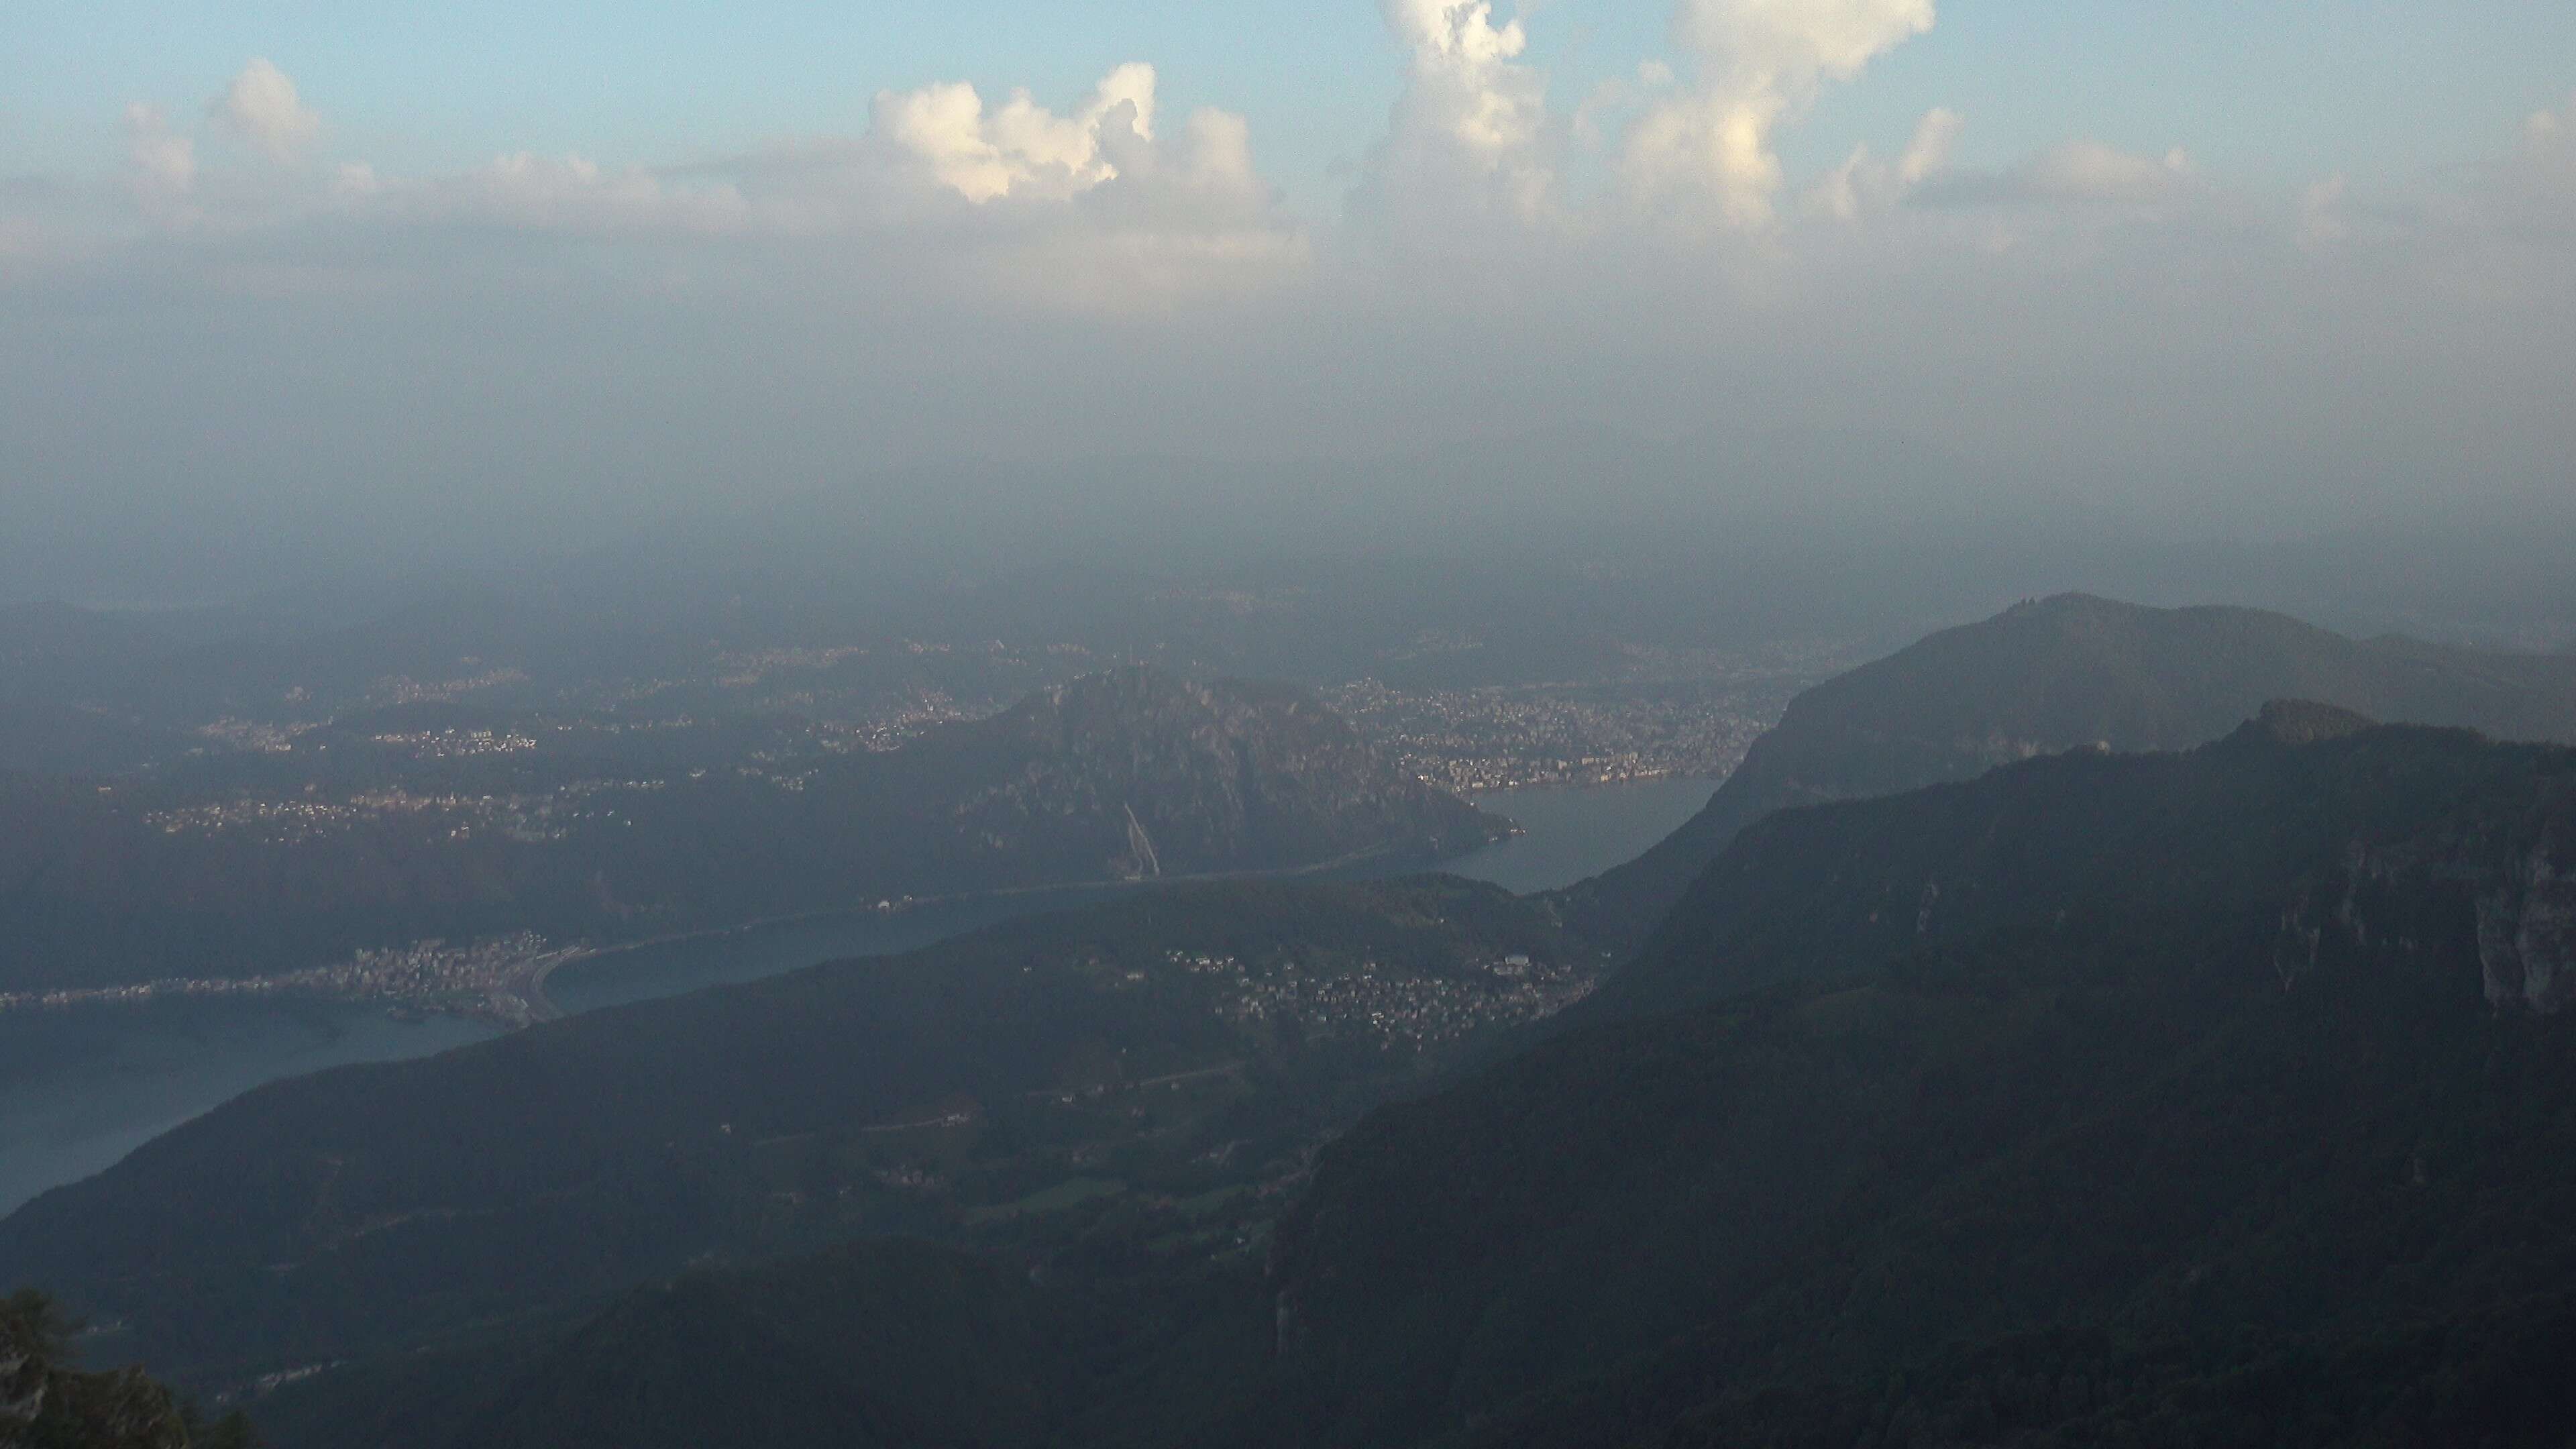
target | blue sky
x=2277, y=90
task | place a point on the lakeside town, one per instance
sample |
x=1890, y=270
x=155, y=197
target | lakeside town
x=1480, y=741
x=499, y=979
x=500, y=780
x=1393, y=1010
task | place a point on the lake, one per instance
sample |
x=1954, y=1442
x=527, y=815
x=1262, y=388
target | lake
x=1575, y=834
x=81, y=1088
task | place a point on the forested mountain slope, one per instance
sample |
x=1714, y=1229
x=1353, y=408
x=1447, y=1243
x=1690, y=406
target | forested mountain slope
x=2063, y=673
x=2216, y=1098
x=1167, y=1056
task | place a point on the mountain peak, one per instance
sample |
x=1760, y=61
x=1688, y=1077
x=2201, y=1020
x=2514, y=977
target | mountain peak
x=2071, y=671
x=2305, y=722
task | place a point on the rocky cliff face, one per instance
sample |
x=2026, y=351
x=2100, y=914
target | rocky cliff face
x=2490, y=884
x=2527, y=938
x=2516, y=918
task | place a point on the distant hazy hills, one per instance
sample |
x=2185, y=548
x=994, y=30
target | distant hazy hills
x=1128, y=774
x=2063, y=673
x=2211, y=1098
x=1134, y=772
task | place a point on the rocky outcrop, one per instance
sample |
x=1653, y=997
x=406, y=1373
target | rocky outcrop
x=44, y=1403
x=2527, y=937
x=2443, y=901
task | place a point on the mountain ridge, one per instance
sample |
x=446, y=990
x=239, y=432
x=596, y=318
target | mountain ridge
x=2067, y=672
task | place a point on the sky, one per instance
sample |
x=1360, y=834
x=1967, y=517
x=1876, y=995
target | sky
x=284, y=286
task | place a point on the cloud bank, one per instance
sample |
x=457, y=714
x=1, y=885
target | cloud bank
x=240, y=305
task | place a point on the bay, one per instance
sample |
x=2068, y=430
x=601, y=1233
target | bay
x=1574, y=834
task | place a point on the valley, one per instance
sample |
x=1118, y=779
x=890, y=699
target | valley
x=90, y=1084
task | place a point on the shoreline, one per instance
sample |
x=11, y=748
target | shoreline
x=905, y=905
x=521, y=999
x=1567, y=787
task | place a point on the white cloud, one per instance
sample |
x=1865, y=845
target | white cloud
x=164, y=162
x=1929, y=151
x=2549, y=144
x=1864, y=183
x=2533, y=195
x=261, y=106
x=1617, y=94
x=1471, y=130
x=1097, y=208
x=1022, y=147
x=1760, y=62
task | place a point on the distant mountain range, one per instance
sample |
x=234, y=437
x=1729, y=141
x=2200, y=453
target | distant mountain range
x=1127, y=774
x=2208, y=1098
x=2064, y=673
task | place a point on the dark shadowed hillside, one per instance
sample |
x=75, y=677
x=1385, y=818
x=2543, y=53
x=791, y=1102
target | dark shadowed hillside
x=1173, y=1056
x=2059, y=674
x=2214, y=1099
x=2254, y=1046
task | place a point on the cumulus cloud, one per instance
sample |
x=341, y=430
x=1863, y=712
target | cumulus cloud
x=1760, y=62
x=1864, y=183
x=1021, y=147
x=1101, y=205
x=1471, y=129
x=262, y=107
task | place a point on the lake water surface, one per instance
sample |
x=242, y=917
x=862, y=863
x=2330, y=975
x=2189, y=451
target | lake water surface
x=81, y=1088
